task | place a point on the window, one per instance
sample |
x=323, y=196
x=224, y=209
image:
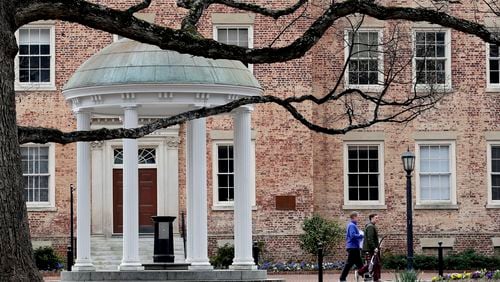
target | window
x=223, y=174
x=363, y=173
x=38, y=174
x=365, y=64
x=235, y=35
x=146, y=156
x=493, y=72
x=35, y=60
x=432, y=58
x=494, y=172
x=435, y=170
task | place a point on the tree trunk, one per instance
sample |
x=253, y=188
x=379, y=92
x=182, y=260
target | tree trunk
x=16, y=254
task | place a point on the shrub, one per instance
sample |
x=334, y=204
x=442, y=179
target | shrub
x=318, y=229
x=224, y=257
x=466, y=260
x=47, y=259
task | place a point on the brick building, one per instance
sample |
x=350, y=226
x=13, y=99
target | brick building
x=297, y=172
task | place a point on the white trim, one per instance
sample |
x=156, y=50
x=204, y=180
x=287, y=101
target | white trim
x=216, y=204
x=489, y=86
x=51, y=204
x=491, y=202
x=428, y=204
x=42, y=86
x=368, y=87
x=380, y=204
x=215, y=27
x=447, y=86
x=162, y=88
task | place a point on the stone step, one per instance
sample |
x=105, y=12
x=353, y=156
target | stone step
x=107, y=252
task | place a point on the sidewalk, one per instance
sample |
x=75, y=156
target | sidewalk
x=386, y=276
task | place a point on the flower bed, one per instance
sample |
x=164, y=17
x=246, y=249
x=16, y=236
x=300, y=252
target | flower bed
x=299, y=266
x=483, y=275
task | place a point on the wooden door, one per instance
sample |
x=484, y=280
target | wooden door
x=147, y=199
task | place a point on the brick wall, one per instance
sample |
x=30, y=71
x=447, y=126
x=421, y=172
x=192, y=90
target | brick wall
x=291, y=160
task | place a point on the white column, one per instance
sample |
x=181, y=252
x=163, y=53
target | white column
x=83, y=260
x=130, y=260
x=197, y=195
x=189, y=192
x=97, y=187
x=242, y=190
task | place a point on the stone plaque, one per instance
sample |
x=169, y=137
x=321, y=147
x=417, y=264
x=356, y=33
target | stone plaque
x=163, y=232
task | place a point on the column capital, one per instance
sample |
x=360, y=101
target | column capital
x=243, y=109
x=96, y=145
x=130, y=107
x=172, y=142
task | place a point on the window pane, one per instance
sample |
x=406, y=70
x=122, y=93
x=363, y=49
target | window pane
x=363, y=166
x=495, y=195
x=223, y=180
x=223, y=195
x=363, y=194
x=353, y=194
x=495, y=152
x=222, y=35
x=45, y=49
x=493, y=51
x=353, y=180
x=23, y=36
x=223, y=152
x=363, y=180
x=373, y=180
x=44, y=36
x=373, y=194
x=353, y=166
x=494, y=77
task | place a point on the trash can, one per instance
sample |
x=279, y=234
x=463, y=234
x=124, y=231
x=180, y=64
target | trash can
x=164, y=239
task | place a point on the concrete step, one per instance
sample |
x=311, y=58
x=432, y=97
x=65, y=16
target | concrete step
x=107, y=252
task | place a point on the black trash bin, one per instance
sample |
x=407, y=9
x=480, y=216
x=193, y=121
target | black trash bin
x=164, y=239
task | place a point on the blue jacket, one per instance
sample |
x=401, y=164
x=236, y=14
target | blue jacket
x=353, y=237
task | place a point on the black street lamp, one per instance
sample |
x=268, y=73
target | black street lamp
x=409, y=165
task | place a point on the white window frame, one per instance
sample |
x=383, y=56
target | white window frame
x=366, y=87
x=116, y=37
x=453, y=171
x=52, y=183
x=490, y=86
x=489, y=145
x=42, y=86
x=381, y=192
x=447, y=86
x=227, y=26
x=228, y=205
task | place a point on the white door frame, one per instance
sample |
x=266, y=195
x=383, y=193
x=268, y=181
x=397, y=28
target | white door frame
x=166, y=144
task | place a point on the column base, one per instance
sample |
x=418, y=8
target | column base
x=83, y=266
x=243, y=265
x=200, y=266
x=130, y=266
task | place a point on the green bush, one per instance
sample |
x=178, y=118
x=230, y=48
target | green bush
x=224, y=257
x=469, y=259
x=318, y=229
x=47, y=259
x=466, y=260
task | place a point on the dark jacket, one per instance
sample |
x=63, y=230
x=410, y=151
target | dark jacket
x=370, y=242
x=353, y=237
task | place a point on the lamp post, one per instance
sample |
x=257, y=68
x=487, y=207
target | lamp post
x=409, y=165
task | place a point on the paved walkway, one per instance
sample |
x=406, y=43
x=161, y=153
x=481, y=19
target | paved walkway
x=386, y=276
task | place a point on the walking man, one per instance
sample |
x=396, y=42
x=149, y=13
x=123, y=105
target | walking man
x=353, y=245
x=370, y=246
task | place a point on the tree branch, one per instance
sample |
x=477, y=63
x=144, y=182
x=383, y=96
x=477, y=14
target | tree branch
x=122, y=23
x=136, y=8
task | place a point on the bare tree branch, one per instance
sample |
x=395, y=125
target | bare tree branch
x=141, y=6
x=122, y=23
